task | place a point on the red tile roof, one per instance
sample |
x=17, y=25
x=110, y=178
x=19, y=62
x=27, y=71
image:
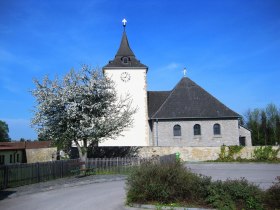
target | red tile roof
x=24, y=145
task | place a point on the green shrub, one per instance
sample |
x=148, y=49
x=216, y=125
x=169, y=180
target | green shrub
x=234, y=150
x=265, y=153
x=234, y=193
x=223, y=154
x=218, y=197
x=173, y=183
x=227, y=153
x=164, y=183
x=272, y=195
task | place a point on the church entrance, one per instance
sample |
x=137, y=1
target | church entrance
x=242, y=141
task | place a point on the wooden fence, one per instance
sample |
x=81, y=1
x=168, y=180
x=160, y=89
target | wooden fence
x=28, y=173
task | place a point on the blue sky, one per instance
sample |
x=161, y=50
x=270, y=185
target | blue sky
x=230, y=48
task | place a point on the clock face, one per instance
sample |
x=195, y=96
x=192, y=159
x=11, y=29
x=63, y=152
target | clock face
x=125, y=77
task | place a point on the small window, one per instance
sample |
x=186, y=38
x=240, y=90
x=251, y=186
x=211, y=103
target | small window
x=17, y=158
x=217, y=129
x=2, y=159
x=125, y=60
x=196, y=130
x=11, y=158
x=177, y=130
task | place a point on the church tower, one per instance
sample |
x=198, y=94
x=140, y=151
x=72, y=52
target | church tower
x=129, y=76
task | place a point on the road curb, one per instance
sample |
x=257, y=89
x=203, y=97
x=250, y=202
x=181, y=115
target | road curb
x=162, y=207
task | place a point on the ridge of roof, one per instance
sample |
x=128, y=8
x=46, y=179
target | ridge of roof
x=189, y=100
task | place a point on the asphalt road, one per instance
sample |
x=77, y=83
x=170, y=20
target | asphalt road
x=261, y=174
x=110, y=195
x=95, y=196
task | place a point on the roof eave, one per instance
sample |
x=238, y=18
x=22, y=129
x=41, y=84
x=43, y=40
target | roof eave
x=245, y=128
x=131, y=68
x=192, y=118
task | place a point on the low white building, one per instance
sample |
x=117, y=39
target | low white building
x=185, y=116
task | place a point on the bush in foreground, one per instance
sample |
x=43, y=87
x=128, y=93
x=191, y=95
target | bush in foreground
x=173, y=183
x=233, y=194
x=272, y=195
x=164, y=183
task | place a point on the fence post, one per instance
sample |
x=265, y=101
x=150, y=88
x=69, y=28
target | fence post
x=53, y=169
x=95, y=165
x=38, y=171
x=6, y=177
x=117, y=166
x=62, y=168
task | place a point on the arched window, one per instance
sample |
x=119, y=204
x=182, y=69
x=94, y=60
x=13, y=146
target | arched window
x=177, y=130
x=125, y=60
x=217, y=129
x=196, y=129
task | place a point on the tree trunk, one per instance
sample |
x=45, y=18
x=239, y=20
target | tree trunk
x=83, y=157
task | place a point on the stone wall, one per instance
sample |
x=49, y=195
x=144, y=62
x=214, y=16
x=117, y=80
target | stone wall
x=195, y=153
x=163, y=133
x=41, y=155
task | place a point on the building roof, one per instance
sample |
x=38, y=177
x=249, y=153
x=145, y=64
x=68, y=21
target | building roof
x=24, y=145
x=155, y=100
x=12, y=145
x=125, y=52
x=186, y=100
x=124, y=49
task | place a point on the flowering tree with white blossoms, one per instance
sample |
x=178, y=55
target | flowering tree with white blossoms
x=82, y=108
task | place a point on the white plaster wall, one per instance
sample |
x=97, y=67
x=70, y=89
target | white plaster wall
x=137, y=88
x=229, y=133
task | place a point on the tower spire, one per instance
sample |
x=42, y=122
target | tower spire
x=124, y=49
x=125, y=56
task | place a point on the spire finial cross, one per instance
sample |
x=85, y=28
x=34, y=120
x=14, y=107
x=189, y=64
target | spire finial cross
x=185, y=72
x=124, y=22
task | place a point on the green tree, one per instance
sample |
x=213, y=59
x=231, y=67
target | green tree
x=83, y=108
x=277, y=121
x=42, y=137
x=4, y=131
x=253, y=122
x=272, y=113
x=264, y=124
x=264, y=127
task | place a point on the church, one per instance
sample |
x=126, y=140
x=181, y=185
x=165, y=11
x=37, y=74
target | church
x=186, y=116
